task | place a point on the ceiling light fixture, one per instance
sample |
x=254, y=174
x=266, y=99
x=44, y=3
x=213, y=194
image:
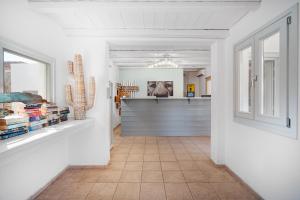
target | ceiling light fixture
x=165, y=63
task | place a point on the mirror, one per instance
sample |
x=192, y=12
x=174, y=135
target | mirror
x=24, y=74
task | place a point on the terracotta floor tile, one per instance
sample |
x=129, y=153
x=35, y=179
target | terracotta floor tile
x=152, y=191
x=119, y=157
x=71, y=176
x=131, y=176
x=203, y=191
x=188, y=165
x=137, y=151
x=154, y=141
x=177, y=191
x=134, y=166
x=102, y=191
x=194, y=176
x=151, y=151
x=199, y=156
x=152, y=177
x=183, y=156
x=167, y=157
x=91, y=175
x=77, y=191
x=151, y=157
x=52, y=192
x=151, y=166
x=116, y=165
x=221, y=177
x=173, y=177
x=127, y=191
x=109, y=176
x=170, y=165
x=232, y=191
x=135, y=157
x=121, y=150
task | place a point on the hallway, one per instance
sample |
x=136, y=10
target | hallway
x=151, y=168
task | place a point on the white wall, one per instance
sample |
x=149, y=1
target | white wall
x=217, y=102
x=269, y=163
x=114, y=78
x=142, y=76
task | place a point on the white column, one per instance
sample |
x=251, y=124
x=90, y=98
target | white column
x=217, y=102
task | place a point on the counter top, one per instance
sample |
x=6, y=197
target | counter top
x=164, y=98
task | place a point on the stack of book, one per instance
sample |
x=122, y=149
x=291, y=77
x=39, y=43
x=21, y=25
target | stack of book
x=32, y=117
x=63, y=114
x=36, y=119
x=13, y=125
x=53, y=116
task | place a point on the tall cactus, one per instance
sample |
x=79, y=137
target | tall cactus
x=77, y=98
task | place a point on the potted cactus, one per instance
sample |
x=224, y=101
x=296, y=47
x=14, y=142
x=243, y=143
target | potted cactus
x=76, y=98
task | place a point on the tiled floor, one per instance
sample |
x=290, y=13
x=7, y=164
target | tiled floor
x=151, y=168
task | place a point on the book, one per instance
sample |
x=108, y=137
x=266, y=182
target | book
x=52, y=116
x=9, y=131
x=13, y=119
x=36, y=127
x=63, y=117
x=53, y=122
x=12, y=126
x=33, y=106
x=13, y=134
x=40, y=122
x=34, y=118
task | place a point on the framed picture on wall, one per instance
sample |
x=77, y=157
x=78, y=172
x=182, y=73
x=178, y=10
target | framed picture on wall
x=160, y=88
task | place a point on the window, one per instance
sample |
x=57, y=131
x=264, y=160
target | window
x=244, y=71
x=266, y=76
x=24, y=70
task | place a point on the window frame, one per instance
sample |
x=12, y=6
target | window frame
x=241, y=46
x=289, y=126
x=10, y=46
x=281, y=27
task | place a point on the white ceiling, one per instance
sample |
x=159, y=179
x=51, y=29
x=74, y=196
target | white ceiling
x=146, y=18
x=152, y=28
x=187, y=54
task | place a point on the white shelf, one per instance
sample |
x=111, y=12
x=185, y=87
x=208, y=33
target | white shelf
x=38, y=136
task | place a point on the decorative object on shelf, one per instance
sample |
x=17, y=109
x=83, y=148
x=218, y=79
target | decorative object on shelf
x=160, y=88
x=125, y=89
x=77, y=97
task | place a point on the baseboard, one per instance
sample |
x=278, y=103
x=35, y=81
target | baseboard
x=257, y=196
x=87, y=166
x=35, y=195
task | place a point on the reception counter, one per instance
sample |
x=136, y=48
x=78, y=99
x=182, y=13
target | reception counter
x=166, y=116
